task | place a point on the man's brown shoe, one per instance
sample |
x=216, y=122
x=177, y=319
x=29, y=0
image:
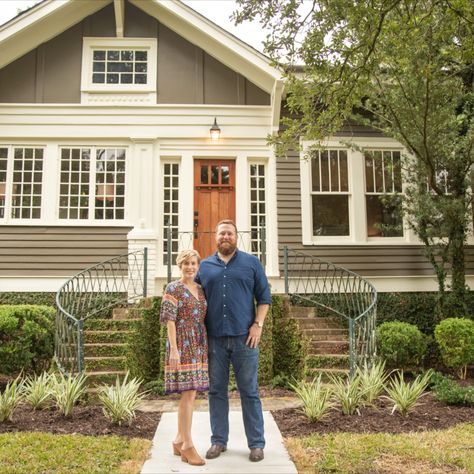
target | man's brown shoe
x=215, y=451
x=256, y=454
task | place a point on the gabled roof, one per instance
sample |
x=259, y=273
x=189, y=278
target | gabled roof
x=51, y=17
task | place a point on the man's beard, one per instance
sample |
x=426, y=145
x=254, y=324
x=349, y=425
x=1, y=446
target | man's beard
x=226, y=250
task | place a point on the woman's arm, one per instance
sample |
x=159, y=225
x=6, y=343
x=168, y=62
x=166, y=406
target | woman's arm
x=174, y=354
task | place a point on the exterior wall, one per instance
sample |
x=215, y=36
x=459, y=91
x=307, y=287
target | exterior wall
x=405, y=260
x=41, y=251
x=186, y=74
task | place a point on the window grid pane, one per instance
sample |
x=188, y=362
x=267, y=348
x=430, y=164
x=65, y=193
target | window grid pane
x=383, y=182
x=114, y=66
x=74, y=183
x=330, y=193
x=27, y=183
x=170, y=209
x=257, y=208
x=3, y=180
x=110, y=183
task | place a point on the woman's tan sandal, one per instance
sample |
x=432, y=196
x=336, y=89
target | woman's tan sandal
x=177, y=448
x=191, y=456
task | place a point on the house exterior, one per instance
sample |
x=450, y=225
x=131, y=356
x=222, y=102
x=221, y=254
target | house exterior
x=105, y=115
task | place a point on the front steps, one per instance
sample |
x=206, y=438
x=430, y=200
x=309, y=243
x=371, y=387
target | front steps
x=105, y=346
x=328, y=343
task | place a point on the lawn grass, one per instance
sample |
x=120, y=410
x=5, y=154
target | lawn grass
x=44, y=452
x=436, y=452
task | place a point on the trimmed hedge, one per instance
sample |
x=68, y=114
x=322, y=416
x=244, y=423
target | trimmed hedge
x=32, y=298
x=26, y=338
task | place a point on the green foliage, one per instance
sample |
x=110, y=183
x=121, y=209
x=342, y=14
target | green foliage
x=348, y=393
x=38, y=390
x=67, y=391
x=448, y=391
x=401, y=345
x=155, y=387
x=146, y=352
x=406, y=395
x=316, y=398
x=455, y=338
x=30, y=298
x=26, y=338
x=372, y=380
x=10, y=399
x=121, y=401
x=280, y=381
x=289, y=347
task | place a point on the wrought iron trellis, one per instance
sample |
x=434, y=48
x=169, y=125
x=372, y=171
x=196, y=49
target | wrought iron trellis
x=91, y=292
x=251, y=241
x=336, y=291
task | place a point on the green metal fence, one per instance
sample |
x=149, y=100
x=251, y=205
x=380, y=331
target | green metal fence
x=91, y=293
x=339, y=292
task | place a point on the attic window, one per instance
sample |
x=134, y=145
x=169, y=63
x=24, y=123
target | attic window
x=119, y=70
x=115, y=66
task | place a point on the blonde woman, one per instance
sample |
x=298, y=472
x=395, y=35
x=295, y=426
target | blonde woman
x=183, y=310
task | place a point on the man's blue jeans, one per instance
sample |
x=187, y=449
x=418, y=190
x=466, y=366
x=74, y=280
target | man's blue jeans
x=224, y=351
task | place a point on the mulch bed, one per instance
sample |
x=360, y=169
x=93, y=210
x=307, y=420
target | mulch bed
x=429, y=415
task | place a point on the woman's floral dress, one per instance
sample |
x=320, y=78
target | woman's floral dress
x=188, y=313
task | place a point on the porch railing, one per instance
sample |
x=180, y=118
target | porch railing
x=250, y=241
x=93, y=292
x=336, y=291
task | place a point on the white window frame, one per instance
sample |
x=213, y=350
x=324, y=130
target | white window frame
x=356, y=186
x=121, y=93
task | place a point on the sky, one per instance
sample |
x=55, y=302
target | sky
x=217, y=11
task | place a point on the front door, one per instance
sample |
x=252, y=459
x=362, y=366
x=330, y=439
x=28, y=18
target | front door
x=214, y=200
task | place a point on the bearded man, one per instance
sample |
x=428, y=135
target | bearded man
x=233, y=282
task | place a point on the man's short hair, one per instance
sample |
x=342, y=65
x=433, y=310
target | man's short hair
x=226, y=221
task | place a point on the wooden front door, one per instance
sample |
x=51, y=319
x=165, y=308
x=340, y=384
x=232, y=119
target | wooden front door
x=214, y=200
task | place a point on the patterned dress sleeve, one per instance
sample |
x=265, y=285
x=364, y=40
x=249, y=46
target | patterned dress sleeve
x=169, y=305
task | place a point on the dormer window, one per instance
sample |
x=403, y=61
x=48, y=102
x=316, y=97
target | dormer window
x=119, y=70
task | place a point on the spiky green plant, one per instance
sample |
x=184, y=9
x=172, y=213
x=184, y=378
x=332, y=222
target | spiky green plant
x=372, y=381
x=406, y=395
x=67, y=391
x=315, y=397
x=121, y=401
x=348, y=393
x=10, y=399
x=38, y=391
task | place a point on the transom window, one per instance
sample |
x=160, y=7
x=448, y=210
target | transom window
x=383, y=183
x=92, y=183
x=115, y=66
x=330, y=193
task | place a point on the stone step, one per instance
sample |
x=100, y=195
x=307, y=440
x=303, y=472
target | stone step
x=317, y=322
x=99, y=377
x=328, y=347
x=93, y=364
x=104, y=337
x=325, y=334
x=110, y=324
x=111, y=349
x=302, y=312
x=327, y=361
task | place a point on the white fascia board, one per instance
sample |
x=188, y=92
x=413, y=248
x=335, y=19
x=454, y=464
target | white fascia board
x=119, y=9
x=218, y=43
x=47, y=20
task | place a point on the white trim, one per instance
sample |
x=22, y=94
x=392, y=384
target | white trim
x=119, y=10
x=122, y=94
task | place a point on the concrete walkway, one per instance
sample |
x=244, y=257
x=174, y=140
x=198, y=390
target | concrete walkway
x=235, y=459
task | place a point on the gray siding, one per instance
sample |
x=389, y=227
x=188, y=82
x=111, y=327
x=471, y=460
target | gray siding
x=57, y=251
x=186, y=74
x=373, y=260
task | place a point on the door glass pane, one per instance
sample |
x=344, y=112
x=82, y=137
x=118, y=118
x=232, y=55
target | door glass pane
x=225, y=174
x=214, y=175
x=204, y=174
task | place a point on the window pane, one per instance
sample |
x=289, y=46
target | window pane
x=324, y=171
x=204, y=174
x=214, y=175
x=384, y=219
x=330, y=215
x=225, y=174
x=378, y=171
x=315, y=173
x=369, y=174
x=343, y=170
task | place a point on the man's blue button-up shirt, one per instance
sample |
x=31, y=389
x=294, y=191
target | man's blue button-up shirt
x=231, y=291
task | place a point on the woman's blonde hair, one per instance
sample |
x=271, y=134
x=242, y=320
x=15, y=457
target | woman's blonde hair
x=186, y=255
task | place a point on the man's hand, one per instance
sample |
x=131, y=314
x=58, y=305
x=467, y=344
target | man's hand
x=255, y=333
x=174, y=358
